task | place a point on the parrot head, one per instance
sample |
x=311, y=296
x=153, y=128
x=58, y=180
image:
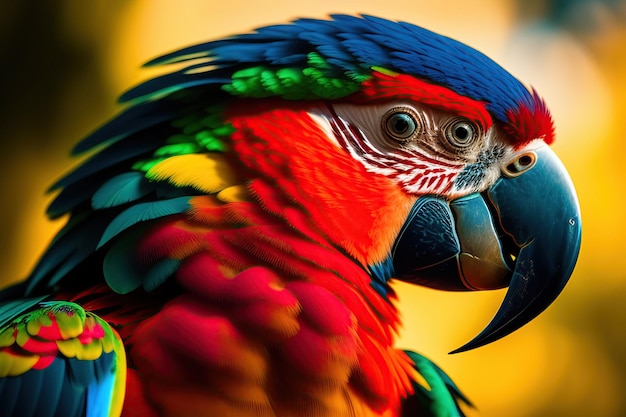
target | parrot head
x=488, y=205
x=412, y=154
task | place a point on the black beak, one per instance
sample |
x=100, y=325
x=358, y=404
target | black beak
x=524, y=232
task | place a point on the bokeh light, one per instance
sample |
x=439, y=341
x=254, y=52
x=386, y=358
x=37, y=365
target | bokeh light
x=64, y=64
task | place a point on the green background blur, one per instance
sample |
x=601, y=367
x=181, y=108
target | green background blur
x=63, y=64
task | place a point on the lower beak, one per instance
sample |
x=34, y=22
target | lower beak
x=524, y=232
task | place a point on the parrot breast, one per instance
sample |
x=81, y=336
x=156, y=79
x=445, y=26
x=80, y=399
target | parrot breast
x=277, y=310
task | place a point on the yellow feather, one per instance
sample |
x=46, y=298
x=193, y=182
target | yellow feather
x=7, y=337
x=12, y=365
x=90, y=351
x=209, y=173
x=234, y=194
x=119, y=388
x=70, y=325
x=69, y=348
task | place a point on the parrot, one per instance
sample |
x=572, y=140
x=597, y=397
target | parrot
x=234, y=232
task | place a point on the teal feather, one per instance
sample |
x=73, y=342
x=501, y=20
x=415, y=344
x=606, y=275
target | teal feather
x=50, y=397
x=120, y=267
x=159, y=273
x=142, y=212
x=121, y=189
x=11, y=309
x=74, y=243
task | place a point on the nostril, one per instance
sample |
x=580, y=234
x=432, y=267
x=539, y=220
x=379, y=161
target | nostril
x=520, y=164
x=525, y=160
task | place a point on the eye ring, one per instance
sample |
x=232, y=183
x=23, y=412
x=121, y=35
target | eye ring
x=400, y=124
x=461, y=133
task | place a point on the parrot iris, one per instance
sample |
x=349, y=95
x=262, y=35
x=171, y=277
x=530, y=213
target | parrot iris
x=231, y=240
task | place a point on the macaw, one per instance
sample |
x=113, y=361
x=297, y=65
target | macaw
x=231, y=240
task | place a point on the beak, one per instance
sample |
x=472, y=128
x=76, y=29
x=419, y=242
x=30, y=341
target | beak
x=524, y=232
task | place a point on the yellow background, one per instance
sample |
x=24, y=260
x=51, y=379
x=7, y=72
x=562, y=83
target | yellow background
x=64, y=65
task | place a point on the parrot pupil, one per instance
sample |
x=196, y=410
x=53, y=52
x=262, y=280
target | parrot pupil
x=399, y=125
x=461, y=133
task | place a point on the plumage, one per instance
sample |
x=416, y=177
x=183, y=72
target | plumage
x=231, y=240
x=68, y=359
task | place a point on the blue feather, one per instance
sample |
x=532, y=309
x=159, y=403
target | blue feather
x=172, y=82
x=140, y=144
x=72, y=197
x=198, y=51
x=100, y=388
x=350, y=43
x=247, y=52
x=366, y=51
x=133, y=119
x=67, y=387
x=57, y=392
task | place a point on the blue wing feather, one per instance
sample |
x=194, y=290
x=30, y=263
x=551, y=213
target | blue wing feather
x=142, y=144
x=132, y=120
x=67, y=388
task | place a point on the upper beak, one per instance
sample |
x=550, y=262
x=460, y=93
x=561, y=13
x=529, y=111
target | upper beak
x=524, y=232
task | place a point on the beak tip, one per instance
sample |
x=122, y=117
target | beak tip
x=545, y=263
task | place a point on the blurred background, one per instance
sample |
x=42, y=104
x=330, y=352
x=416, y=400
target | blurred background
x=65, y=62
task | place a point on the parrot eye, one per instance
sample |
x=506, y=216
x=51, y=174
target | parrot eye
x=461, y=133
x=400, y=123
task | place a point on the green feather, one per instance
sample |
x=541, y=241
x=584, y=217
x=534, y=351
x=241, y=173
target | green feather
x=177, y=149
x=145, y=164
x=199, y=131
x=316, y=81
x=442, y=397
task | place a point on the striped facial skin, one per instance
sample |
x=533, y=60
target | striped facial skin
x=424, y=149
